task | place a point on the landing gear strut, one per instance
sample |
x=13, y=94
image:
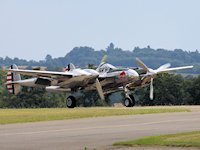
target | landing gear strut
x=129, y=101
x=71, y=102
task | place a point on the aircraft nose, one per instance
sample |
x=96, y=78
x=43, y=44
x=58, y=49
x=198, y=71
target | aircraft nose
x=94, y=72
x=132, y=73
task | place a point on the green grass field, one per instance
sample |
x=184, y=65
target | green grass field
x=8, y=116
x=189, y=139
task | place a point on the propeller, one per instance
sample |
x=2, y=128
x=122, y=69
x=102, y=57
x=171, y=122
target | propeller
x=152, y=73
x=99, y=89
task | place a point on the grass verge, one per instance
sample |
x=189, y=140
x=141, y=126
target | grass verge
x=8, y=116
x=189, y=139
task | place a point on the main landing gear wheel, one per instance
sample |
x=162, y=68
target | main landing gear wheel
x=129, y=101
x=71, y=102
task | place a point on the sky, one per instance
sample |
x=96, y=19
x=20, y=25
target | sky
x=31, y=29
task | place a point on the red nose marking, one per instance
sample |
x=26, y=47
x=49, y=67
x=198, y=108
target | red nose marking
x=122, y=74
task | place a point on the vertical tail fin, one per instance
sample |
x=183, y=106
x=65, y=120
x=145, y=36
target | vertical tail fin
x=13, y=88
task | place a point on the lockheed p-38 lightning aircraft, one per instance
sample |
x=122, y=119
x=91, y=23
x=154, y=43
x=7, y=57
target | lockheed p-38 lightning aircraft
x=105, y=79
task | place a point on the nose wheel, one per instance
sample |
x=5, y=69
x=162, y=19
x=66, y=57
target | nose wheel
x=129, y=101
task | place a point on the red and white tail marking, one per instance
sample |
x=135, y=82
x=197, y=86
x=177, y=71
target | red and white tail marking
x=9, y=81
x=9, y=76
x=12, y=78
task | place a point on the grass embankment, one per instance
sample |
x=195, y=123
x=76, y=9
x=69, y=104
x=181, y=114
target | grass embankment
x=8, y=116
x=189, y=139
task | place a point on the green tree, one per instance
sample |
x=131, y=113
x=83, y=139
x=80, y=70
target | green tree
x=194, y=91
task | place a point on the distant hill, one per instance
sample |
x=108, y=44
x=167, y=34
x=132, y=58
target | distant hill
x=82, y=56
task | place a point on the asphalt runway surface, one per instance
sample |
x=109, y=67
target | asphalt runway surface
x=92, y=133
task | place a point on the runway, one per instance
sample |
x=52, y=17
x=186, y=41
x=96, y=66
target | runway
x=92, y=133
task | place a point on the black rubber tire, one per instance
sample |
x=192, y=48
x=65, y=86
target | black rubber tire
x=127, y=102
x=71, y=102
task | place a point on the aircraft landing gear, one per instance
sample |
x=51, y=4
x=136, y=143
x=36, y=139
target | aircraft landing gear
x=71, y=102
x=129, y=101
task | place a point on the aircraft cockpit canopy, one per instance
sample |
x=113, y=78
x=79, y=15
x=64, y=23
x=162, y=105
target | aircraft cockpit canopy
x=106, y=68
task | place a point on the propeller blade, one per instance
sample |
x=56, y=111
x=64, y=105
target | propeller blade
x=104, y=59
x=176, y=68
x=165, y=66
x=151, y=89
x=99, y=89
x=142, y=65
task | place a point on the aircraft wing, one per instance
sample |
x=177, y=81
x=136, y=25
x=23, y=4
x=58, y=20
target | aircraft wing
x=68, y=79
x=38, y=73
x=173, y=69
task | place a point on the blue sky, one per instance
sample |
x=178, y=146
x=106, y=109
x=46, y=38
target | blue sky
x=31, y=29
